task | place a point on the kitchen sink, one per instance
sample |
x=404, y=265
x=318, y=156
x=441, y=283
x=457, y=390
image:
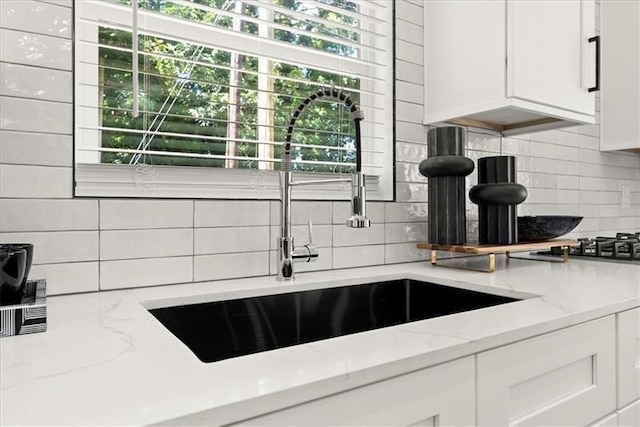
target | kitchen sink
x=220, y=330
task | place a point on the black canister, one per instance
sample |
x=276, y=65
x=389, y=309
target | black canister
x=446, y=167
x=497, y=196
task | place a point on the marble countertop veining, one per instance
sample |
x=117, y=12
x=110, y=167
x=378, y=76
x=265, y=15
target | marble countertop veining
x=105, y=360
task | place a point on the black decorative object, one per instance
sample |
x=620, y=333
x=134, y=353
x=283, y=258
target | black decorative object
x=13, y=263
x=28, y=247
x=27, y=316
x=497, y=195
x=545, y=227
x=446, y=168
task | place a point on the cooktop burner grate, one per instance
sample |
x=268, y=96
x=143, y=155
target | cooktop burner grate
x=623, y=247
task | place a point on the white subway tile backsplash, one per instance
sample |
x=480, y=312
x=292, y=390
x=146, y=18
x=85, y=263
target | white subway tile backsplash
x=409, y=51
x=145, y=272
x=567, y=182
x=588, y=142
x=409, y=112
x=36, y=17
x=303, y=211
x=411, y=192
x=37, y=50
x=228, y=266
x=131, y=244
x=568, y=196
x=225, y=213
x=58, y=246
x=231, y=239
x=409, y=172
x=410, y=32
x=406, y=212
x=568, y=138
x=18, y=114
x=407, y=152
x=48, y=215
x=345, y=236
x=36, y=181
x=411, y=93
x=35, y=83
x=67, y=278
x=358, y=256
x=404, y=252
x=405, y=232
x=411, y=132
x=410, y=12
x=25, y=148
x=409, y=72
x=145, y=214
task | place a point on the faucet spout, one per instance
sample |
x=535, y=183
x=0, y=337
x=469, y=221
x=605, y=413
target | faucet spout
x=287, y=252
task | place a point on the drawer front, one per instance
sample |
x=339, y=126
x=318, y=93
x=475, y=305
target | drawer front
x=630, y=415
x=628, y=357
x=610, y=420
x=438, y=396
x=562, y=378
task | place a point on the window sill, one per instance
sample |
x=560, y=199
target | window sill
x=104, y=180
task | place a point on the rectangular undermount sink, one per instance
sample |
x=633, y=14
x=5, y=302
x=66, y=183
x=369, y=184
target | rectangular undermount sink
x=221, y=330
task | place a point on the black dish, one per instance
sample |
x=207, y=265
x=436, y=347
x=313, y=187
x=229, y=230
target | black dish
x=545, y=227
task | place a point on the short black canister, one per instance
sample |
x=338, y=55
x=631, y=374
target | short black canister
x=497, y=196
x=446, y=167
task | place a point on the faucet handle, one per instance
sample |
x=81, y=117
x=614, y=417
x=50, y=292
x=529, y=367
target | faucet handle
x=310, y=228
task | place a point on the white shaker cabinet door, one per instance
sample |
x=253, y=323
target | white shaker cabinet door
x=610, y=420
x=442, y=395
x=628, y=357
x=551, y=59
x=561, y=378
x=630, y=416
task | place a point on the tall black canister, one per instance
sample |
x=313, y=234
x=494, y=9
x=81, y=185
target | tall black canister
x=446, y=167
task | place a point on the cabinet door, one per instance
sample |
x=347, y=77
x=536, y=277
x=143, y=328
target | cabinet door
x=628, y=357
x=549, y=58
x=562, y=378
x=630, y=416
x=439, y=396
x=608, y=421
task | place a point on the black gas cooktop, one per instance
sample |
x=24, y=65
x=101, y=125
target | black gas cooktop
x=624, y=247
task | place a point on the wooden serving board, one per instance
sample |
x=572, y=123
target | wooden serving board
x=497, y=249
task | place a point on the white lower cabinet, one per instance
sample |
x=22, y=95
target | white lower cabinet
x=442, y=395
x=610, y=420
x=628, y=357
x=630, y=415
x=563, y=378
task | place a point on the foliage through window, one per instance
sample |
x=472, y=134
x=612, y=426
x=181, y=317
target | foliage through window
x=218, y=81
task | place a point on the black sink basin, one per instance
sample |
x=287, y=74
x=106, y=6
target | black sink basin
x=223, y=329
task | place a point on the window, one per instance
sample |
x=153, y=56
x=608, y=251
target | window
x=203, y=109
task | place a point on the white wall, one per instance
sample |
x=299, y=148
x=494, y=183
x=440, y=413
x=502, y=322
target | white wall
x=98, y=244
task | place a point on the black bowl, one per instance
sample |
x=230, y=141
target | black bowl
x=13, y=263
x=545, y=227
x=27, y=247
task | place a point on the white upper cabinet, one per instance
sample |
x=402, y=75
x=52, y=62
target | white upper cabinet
x=620, y=98
x=514, y=66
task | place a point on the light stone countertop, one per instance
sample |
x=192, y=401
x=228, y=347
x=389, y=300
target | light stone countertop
x=105, y=360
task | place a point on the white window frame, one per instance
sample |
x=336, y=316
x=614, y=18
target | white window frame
x=139, y=181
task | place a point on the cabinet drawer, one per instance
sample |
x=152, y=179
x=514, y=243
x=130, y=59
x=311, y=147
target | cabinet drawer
x=439, y=396
x=630, y=415
x=628, y=356
x=562, y=378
